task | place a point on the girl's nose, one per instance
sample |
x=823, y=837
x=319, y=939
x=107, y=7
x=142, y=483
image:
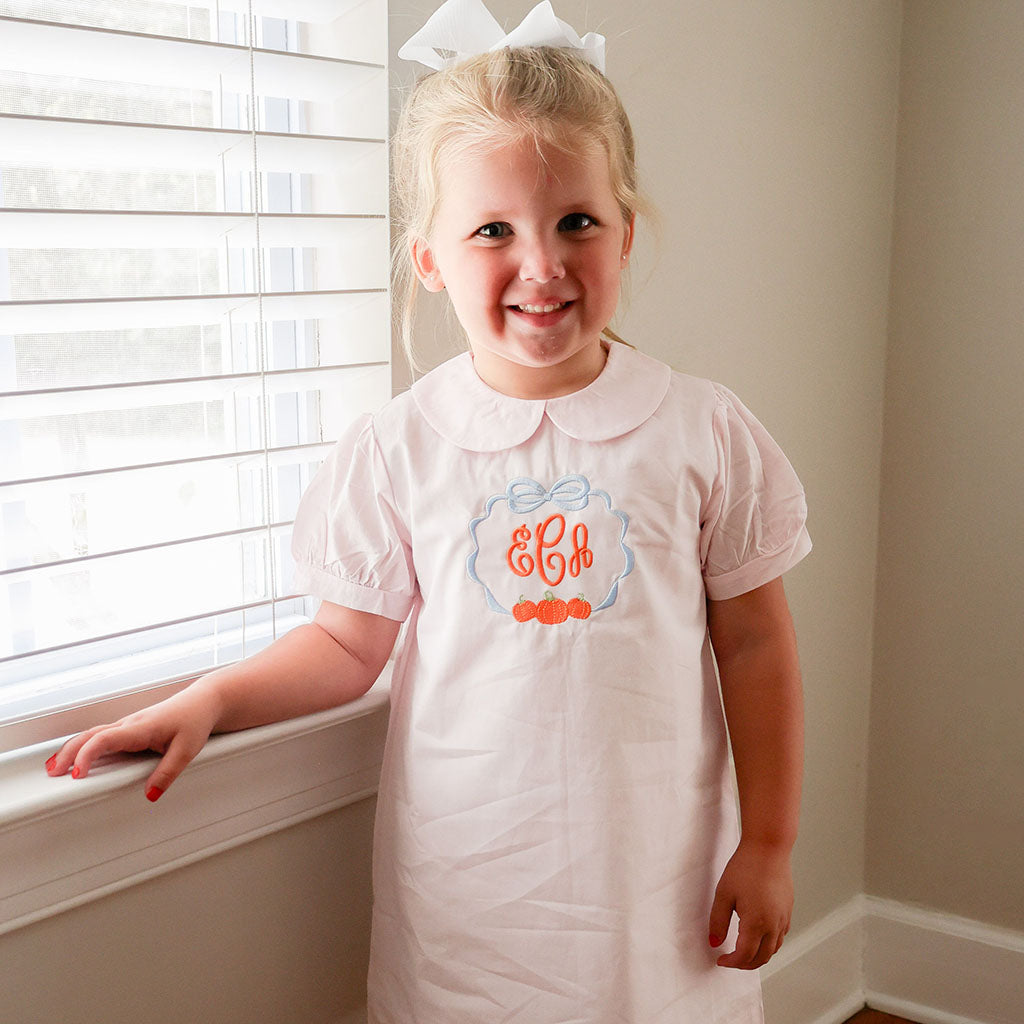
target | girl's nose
x=541, y=261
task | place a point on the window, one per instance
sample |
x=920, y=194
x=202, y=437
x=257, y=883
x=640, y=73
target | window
x=193, y=304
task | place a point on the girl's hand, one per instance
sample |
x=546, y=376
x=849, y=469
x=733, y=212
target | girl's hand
x=324, y=663
x=758, y=885
x=178, y=728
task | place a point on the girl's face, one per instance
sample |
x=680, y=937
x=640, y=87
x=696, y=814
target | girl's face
x=531, y=248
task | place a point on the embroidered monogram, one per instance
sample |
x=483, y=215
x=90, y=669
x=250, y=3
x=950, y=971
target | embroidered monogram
x=521, y=555
x=552, y=566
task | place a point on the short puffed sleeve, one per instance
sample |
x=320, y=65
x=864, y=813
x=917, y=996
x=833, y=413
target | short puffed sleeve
x=349, y=542
x=753, y=527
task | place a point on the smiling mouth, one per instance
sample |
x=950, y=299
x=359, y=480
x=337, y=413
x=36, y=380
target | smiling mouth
x=551, y=307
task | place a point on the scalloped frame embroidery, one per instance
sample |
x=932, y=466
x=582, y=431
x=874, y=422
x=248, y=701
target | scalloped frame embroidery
x=571, y=492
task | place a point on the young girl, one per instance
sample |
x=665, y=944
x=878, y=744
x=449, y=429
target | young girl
x=568, y=528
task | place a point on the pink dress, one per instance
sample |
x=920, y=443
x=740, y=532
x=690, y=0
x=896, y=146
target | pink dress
x=556, y=804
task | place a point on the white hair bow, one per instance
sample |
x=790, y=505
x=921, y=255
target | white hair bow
x=465, y=28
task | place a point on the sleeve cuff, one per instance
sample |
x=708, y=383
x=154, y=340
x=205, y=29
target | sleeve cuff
x=320, y=583
x=761, y=570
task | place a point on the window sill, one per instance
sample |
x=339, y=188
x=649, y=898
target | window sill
x=65, y=842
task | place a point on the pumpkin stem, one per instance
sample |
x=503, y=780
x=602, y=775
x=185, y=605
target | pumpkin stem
x=548, y=596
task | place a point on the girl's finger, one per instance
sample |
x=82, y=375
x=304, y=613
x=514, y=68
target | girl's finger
x=783, y=932
x=180, y=752
x=749, y=945
x=60, y=762
x=765, y=951
x=124, y=736
x=721, y=916
x=761, y=955
x=102, y=742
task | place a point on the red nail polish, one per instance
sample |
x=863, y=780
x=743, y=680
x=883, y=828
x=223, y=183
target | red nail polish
x=76, y=772
x=153, y=794
x=51, y=762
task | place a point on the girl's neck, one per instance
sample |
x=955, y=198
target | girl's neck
x=539, y=382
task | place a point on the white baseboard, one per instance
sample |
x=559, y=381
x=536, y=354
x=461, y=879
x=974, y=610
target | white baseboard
x=942, y=969
x=818, y=975
x=920, y=964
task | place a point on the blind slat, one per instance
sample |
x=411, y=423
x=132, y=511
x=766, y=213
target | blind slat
x=147, y=437
x=141, y=659
x=89, y=229
x=175, y=503
x=25, y=489
x=316, y=11
x=49, y=48
x=225, y=573
x=79, y=142
x=152, y=394
x=25, y=572
x=57, y=315
x=343, y=29
x=140, y=634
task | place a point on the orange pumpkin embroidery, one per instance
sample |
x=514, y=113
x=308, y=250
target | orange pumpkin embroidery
x=524, y=610
x=552, y=610
x=578, y=608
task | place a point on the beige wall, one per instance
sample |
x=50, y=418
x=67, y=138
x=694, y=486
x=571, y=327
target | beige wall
x=946, y=825
x=769, y=153
x=273, y=932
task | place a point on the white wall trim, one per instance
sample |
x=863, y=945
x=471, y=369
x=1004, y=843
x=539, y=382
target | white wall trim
x=942, y=969
x=920, y=964
x=818, y=975
x=66, y=842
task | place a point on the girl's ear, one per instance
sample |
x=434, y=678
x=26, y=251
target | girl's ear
x=627, y=241
x=425, y=265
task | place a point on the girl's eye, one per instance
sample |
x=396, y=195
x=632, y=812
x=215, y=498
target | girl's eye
x=576, y=222
x=493, y=230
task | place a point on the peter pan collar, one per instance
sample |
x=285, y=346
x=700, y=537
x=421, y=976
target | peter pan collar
x=469, y=413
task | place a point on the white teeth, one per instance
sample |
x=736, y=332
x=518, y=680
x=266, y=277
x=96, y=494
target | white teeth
x=542, y=309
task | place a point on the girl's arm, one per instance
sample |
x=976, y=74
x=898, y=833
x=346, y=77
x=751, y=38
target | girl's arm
x=755, y=647
x=333, y=660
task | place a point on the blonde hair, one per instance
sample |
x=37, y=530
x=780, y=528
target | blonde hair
x=548, y=96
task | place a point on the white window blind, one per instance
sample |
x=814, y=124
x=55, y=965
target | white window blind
x=193, y=304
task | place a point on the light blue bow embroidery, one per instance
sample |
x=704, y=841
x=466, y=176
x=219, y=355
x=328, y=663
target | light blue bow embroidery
x=571, y=494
